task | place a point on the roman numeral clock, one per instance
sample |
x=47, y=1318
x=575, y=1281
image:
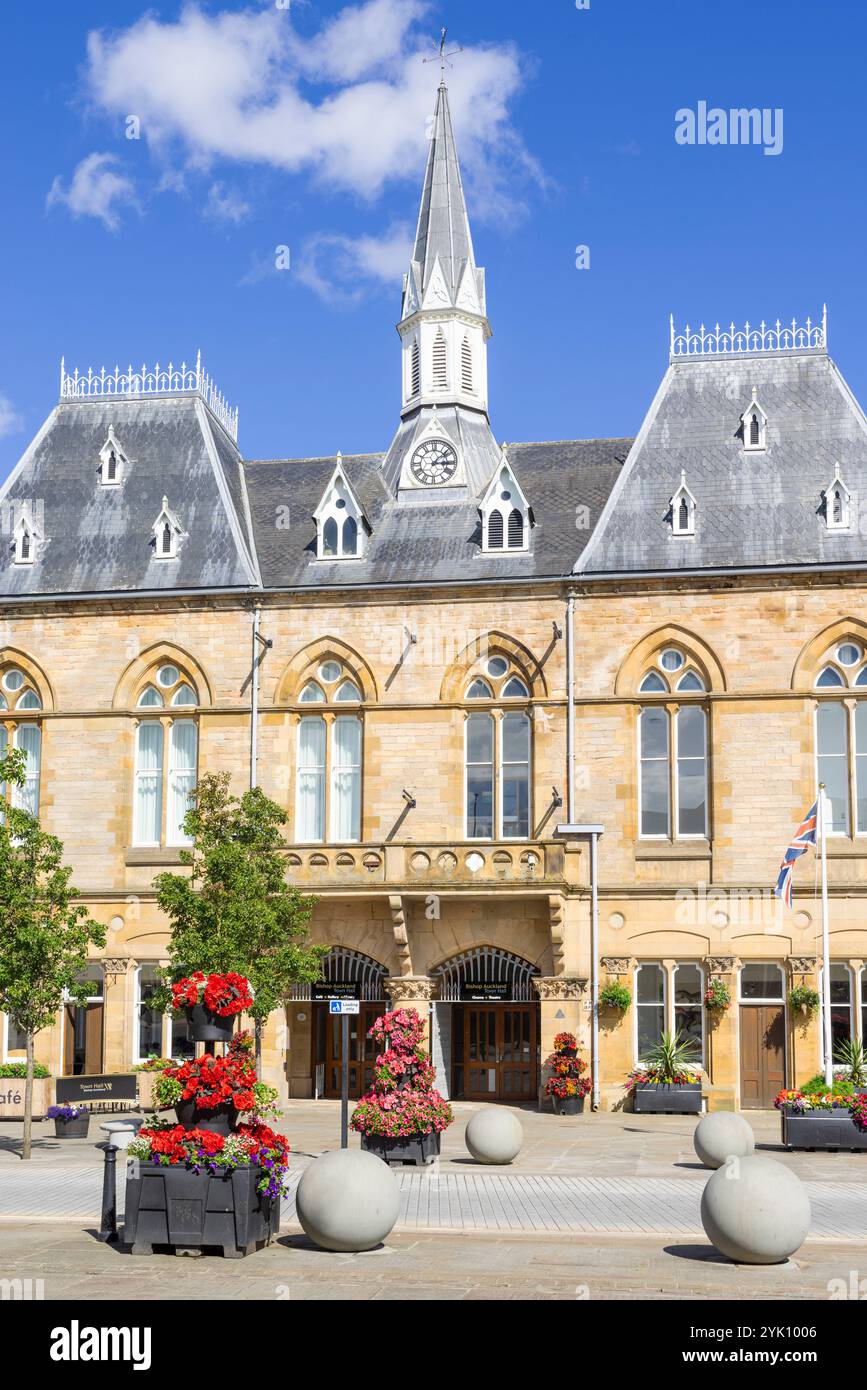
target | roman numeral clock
x=434, y=462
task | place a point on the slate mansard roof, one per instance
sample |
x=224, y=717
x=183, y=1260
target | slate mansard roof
x=754, y=508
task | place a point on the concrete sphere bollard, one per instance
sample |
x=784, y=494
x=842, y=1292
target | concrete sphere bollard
x=721, y=1136
x=755, y=1210
x=347, y=1200
x=494, y=1135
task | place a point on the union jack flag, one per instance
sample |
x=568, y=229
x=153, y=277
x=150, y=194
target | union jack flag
x=804, y=836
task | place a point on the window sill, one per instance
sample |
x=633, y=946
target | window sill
x=154, y=854
x=672, y=849
x=844, y=848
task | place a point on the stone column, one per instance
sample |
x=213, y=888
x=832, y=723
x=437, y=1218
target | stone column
x=721, y=1038
x=805, y=1030
x=616, y=1031
x=413, y=992
x=118, y=1019
x=562, y=998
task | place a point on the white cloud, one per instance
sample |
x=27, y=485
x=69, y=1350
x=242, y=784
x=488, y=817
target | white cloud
x=228, y=86
x=342, y=269
x=10, y=420
x=96, y=190
x=225, y=204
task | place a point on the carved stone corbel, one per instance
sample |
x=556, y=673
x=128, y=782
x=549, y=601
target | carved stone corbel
x=616, y=965
x=410, y=987
x=115, y=965
x=803, y=965
x=398, y=926
x=560, y=986
x=557, y=929
x=720, y=965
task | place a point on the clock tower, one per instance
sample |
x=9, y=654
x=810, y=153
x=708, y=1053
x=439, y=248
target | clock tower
x=443, y=449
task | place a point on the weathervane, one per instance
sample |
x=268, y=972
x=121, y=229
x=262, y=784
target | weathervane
x=443, y=56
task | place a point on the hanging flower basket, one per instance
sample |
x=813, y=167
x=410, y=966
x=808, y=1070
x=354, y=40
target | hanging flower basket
x=211, y=1003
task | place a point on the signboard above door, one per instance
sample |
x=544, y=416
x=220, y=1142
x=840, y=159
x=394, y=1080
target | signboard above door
x=485, y=991
x=324, y=990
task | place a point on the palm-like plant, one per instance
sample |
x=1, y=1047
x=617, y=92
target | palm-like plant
x=853, y=1056
x=672, y=1056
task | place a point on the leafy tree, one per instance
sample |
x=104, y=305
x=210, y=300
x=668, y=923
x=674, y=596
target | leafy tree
x=235, y=910
x=44, y=933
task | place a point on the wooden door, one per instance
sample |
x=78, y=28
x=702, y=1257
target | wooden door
x=362, y=1051
x=763, y=1054
x=499, y=1052
x=82, y=1044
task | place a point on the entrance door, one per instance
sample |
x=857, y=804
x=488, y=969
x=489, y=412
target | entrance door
x=498, y=1060
x=362, y=1051
x=82, y=1044
x=763, y=1054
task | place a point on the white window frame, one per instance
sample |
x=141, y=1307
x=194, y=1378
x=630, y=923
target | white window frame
x=683, y=494
x=849, y=759
x=488, y=713
x=701, y=1006
x=755, y=408
x=498, y=716
x=674, y=742
x=331, y=781
x=137, y=1058
x=666, y=838
x=671, y=709
x=641, y=965
x=6, y=1054
x=137, y=841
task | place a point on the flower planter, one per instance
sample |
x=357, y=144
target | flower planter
x=12, y=1097
x=72, y=1129
x=820, y=1130
x=222, y=1120
x=568, y=1105
x=668, y=1098
x=177, y=1207
x=415, y=1148
x=206, y=1026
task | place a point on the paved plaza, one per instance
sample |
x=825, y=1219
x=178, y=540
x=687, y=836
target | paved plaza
x=598, y=1206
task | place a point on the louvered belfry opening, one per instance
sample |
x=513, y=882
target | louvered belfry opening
x=415, y=384
x=495, y=531
x=466, y=366
x=516, y=530
x=440, y=362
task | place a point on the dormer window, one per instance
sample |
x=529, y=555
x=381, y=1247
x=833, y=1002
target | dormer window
x=167, y=531
x=682, y=511
x=506, y=515
x=836, y=498
x=754, y=424
x=341, y=527
x=112, y=461
x=26, y=538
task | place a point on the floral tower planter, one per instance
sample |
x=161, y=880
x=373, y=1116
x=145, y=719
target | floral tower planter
x=402, y=1117
x=216, y=1177
x=567, y=1085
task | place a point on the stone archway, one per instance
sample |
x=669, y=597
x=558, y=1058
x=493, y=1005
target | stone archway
x=485, y=1027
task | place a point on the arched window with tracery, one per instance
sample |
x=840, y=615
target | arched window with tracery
x=841, y=735
x=20, y=707
x=673, y=749
x=329, y=755
x=498, y=748
x=166, y=756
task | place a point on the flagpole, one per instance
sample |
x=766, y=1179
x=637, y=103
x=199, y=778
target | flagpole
x=826, y=946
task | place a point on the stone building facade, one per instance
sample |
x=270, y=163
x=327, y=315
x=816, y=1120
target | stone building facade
x=469, y=673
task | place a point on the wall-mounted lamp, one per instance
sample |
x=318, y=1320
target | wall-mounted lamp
x=409, y=799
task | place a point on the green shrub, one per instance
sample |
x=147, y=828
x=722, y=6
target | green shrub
x=816, y=1086
x=18, y=1070
x=615, y=996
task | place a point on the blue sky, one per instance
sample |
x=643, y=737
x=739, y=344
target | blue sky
x=266, y=125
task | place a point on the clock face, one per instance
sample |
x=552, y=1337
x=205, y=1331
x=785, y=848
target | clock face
x=433, y=462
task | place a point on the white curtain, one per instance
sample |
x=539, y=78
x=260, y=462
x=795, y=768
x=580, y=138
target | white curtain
x=182, y=778
x=28, y=737
x=148, y=784
x=346, y=780
x=310, y=799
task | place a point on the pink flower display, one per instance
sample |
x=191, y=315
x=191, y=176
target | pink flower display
x=402, y=1101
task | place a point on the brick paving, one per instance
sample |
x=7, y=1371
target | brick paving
x=606, y=1206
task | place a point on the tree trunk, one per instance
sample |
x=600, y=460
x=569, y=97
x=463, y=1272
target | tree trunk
x=257, y=1031
x=28, y=1099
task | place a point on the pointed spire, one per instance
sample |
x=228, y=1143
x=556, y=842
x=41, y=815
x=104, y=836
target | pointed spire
x=443, y=231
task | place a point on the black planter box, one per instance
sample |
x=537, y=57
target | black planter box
x=816, y=1130
x=206, y=1026
x=676, y=1098
x=568, y=1105
x=420, y=1149
x=176, y=1207
x=72, y=1129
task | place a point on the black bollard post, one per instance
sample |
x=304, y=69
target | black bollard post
x=108, y=1220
